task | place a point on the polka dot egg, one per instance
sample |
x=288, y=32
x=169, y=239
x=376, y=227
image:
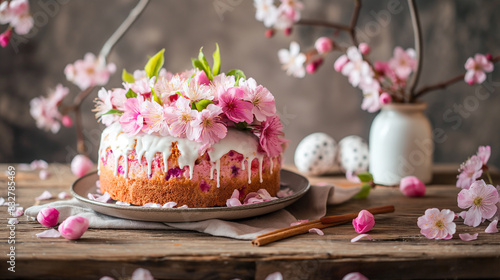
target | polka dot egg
x=315, y=154
x=353, y=154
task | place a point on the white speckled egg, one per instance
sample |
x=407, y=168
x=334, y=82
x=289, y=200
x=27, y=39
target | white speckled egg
x=316, y=154
x=353, y=154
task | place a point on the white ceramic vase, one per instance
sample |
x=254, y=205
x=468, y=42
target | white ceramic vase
x=401, y=144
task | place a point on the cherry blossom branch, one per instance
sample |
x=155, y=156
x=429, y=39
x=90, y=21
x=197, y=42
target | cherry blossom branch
x=351, y=28
x=417, y=33
x=444, y=84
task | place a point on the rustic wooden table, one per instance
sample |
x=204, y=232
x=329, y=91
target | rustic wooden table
x=397, y=251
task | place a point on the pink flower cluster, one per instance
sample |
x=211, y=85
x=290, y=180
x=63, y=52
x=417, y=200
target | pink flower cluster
x=16, y=13
x=89, y=72
x=472, y=169
x=189, y=105
x=477, y=68
x=279, y=17
x=45, y=109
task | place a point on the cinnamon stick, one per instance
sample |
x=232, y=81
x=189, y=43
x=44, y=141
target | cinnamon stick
x=322, y=223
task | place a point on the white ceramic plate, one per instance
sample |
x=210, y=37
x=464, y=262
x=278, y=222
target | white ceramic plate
x=87, y=184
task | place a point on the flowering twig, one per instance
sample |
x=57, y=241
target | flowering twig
x=445, y=84
x=417, y=33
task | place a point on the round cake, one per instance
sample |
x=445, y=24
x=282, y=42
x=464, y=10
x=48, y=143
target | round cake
x=191, y=138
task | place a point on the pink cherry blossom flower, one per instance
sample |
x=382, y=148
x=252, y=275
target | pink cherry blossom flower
x=263, y=101
x=89, y=72
x=477, y=68
x=437, y=224
x=364, y=222
x=45, y=110
x=403, y=63
x=323, y=45
x=385, y=98
x=354, y=276
x=468, y=237
x=48, y=216
x=492, y=227
x=155, y=119
x=222, y=83
x=141, y=87
x=293, y=60
x=270, y=136
x=266, y=12
x=234, y=106
x=44, y=196
x=50, y=233
x=16, y=13
x=180, y=118
x=412, y=186
x=371, y=100
x=5, y=38
x=195, y=92
x=81, y=165
x=357, y=69
x=107, y=100
x=208, y=128
x=361, y=236
x=234, y=200
x=482, y=199
x=470, y=171
x=132, y=120
x=291, y=8
x=340, y=63
x=73, y=227
x=484, y=152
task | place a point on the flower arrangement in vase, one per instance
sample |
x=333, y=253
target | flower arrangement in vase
x=401, y=142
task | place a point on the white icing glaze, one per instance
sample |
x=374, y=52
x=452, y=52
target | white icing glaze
x=148, y=145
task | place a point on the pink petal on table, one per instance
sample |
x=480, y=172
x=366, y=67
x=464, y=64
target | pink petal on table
x=152, y=205
x=170, y=204
x=233, y=202
x=492, y=227
x=122, y=203
x=73, y=227
x=50, y=233
x=18, y=212
x=13, y=221
x=284, y=193
x=275, y=276
x=2, y=201
x=354, y=276
x=104, y=198
x=142, y=274
x=183, y=206
x=44, y=196
x=44, y=174
x=63, y=195
x=357, y=238
x=39, y=164
x=298, y=222
x=468, y=237
x=316, y=230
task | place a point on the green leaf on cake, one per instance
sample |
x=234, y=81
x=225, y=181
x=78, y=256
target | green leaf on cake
x=113, y=112
x=130, y=93
x=216, y=56
x=202, y=104
x=202, y=64
x=127, y=77
x=155, y=97
x=364, y=192
x=238, y=74
x=242, y=125
x=365, y=177
x=155, y=64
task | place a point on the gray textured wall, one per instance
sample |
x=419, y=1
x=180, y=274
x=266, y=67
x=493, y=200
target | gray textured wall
x=453, y=30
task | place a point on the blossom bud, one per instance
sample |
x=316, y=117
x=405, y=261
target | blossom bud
x=202, y=78
x=385, y=98
x=340, y=63
x=80, y=165
x=287, y=31
x=364, y=222
x=323, y=45
x=48, y=216
x=5, y=38
x=364, y=48
x=269, y=33
x=67, y=121
x=313, y=66
x=73, y=227
x=412, y=186
x=489, y=57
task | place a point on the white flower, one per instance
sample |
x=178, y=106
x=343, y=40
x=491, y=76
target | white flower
x=266, y=12
x=356, y=69
x=293, y=60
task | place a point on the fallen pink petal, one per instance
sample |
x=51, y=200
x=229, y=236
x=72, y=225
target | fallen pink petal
x=63, y=195
x=141, y=274
x=354, y=276
x=317, y=231
x=298, y=222
x=359, y=237
x=183, y=207
x=44, y=174
x=39, y=164
x=122, y=203
x=18, y=212
x=13, y=221
x=50, y=233
x=44, y=196
x=152, y=205
x=468, y=237
x=170, y=204
x=74, y=227
x=492, y=227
